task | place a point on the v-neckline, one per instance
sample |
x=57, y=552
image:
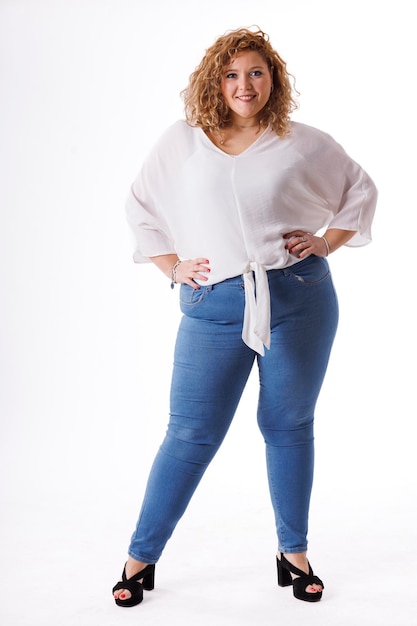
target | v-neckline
x=234, y=156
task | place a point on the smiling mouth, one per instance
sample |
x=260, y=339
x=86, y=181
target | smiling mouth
x=245, y=98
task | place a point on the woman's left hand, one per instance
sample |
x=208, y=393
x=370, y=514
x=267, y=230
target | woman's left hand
x=301, y=244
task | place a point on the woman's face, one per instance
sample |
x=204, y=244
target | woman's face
x=246, y=86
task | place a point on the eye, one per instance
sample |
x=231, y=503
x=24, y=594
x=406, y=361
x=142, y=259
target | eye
x=256, y=73
x=231, y=75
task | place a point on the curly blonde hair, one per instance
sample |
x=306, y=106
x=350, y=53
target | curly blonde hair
x=204, y=104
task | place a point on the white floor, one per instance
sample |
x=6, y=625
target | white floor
x=64, y=539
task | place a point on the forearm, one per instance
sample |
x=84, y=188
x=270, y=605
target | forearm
x=165, y=262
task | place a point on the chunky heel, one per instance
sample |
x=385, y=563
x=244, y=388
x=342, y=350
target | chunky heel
x=148, y=581
x=302, y=580
x=284, y=576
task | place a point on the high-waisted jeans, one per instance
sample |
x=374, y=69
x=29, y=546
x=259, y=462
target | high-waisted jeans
x=211, y=367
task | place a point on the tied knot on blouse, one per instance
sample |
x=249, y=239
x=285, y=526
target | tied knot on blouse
x=257, y=317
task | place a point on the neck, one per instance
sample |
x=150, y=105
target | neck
x=257, y=124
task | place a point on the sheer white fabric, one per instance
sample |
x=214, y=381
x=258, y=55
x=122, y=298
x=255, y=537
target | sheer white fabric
x=193, y=199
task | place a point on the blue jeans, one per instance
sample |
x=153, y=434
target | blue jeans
x=211, y=367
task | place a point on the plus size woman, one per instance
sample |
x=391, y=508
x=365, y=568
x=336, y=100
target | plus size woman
x=241, y=207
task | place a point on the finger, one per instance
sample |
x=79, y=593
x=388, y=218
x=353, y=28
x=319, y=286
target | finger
x=301, y=249
x=200, y=267
x=200, y=277
x=191, y=283
x=294, y=233
x=294, y=243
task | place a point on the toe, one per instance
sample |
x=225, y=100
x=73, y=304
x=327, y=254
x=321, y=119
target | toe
x=123, y=594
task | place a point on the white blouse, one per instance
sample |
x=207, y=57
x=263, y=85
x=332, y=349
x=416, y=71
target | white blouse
x=194, y=200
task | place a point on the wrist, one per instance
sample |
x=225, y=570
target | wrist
x=173, y=273
x=326, y=243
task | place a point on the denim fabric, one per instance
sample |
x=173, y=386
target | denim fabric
x=211, y=367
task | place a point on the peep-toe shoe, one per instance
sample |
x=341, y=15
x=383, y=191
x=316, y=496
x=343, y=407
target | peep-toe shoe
x=299, y=584
x=145, y=579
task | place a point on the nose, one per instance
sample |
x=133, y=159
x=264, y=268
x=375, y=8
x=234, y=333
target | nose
x=245, y=83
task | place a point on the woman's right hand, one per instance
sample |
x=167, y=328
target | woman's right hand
x=190, y=270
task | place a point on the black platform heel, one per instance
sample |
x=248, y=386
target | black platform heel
x=145, y=579
x=285, y=569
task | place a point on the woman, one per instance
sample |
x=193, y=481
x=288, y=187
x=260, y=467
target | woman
x=230, y=204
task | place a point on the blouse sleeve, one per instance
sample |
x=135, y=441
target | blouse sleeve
x=358, y=200
x=144, y=211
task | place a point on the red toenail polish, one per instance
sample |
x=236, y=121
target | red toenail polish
x=122, y=595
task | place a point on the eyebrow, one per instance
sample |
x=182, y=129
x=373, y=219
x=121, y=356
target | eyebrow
x=254, y=67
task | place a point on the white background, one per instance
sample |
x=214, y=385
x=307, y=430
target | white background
x=87, y=336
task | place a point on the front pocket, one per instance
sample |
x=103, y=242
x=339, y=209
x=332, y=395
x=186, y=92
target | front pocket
x=310, y=272
x=192, y=297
